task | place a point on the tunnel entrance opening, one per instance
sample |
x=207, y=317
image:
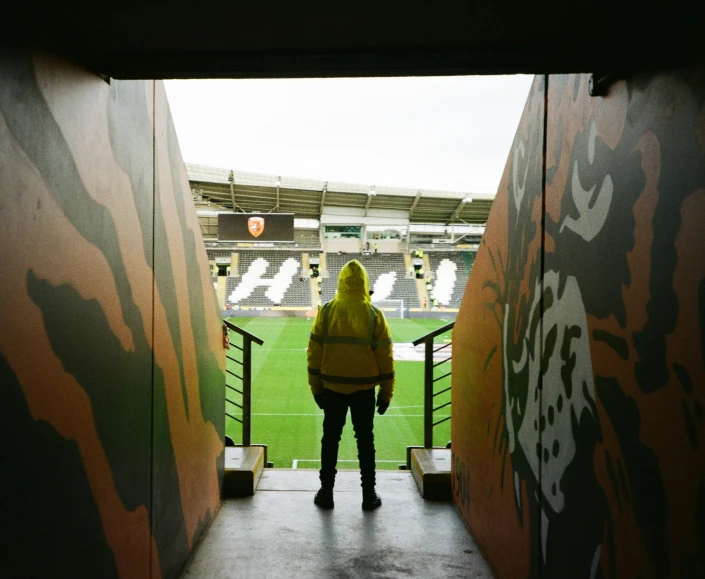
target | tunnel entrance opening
x=382, y=129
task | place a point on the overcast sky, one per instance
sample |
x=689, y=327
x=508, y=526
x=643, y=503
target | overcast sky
x=449, y=133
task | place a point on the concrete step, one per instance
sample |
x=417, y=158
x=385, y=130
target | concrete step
x=431, y=470
x=243, y=469
x=221, y=290
x=279, y=532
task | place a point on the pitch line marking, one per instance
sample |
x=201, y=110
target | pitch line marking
x=321, y=415
x=280, y=350
x=296, y=461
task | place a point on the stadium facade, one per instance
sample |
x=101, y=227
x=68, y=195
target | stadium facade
x=293, y=236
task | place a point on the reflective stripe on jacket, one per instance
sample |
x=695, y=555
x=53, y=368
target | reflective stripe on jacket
x=350, y=347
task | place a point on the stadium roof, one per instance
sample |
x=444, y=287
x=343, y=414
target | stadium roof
x=222, y=189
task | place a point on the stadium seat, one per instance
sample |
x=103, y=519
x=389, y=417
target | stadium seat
x=451, y=272
x=267, y=278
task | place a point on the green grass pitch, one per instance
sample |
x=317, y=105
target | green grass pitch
x=286, y=418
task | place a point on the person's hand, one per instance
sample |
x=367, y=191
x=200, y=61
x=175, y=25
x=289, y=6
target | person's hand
x=382, y=405
x=320, y=400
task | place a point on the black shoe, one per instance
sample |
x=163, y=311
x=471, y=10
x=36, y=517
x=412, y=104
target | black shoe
x=371, y=501
x=324, y=498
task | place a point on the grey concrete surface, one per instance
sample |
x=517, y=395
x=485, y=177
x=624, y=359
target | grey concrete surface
x=280, y=533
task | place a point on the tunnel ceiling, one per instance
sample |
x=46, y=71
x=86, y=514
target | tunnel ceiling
x=362, y=38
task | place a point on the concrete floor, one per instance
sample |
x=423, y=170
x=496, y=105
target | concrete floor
x=280, y=533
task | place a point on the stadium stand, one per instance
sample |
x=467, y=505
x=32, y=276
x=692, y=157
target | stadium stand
x=417, y=219
x=387, y=277
x=451, y=271
x=272, y=277
x=269, y=278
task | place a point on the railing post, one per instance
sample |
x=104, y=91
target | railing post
x=246, y=390
x=246, y=378
x=429, y=380
x=428, y=395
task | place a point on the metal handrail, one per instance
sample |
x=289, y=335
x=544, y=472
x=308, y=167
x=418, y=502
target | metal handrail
x=433, y=334
x=243, y=333
x=429, y=381
x=246, y=379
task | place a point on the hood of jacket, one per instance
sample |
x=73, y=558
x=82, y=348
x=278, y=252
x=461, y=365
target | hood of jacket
x=353, y=282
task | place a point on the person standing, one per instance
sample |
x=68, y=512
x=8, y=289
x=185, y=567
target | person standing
x=349, y=353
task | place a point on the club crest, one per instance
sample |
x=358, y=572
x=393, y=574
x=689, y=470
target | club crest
x=255, y=225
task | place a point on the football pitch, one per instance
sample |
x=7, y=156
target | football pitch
x=286, y=418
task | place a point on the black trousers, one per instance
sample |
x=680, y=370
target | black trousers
x=362, y=412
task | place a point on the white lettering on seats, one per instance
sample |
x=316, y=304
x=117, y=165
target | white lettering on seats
x=445, y=281
x=253, y=278
x=383, y=286
x=282, y=280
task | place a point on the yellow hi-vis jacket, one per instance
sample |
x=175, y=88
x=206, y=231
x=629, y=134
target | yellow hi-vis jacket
x=350, y=347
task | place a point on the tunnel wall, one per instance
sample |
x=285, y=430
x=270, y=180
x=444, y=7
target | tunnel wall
x=111, y=359
x=579, y=349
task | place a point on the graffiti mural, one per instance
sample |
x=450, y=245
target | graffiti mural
x=111, y=366
x=589, y=377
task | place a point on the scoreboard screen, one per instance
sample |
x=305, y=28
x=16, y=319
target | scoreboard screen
x=255, y=227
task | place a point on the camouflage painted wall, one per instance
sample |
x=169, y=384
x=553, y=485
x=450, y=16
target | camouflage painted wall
x=111, y=361
x=579, y=367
